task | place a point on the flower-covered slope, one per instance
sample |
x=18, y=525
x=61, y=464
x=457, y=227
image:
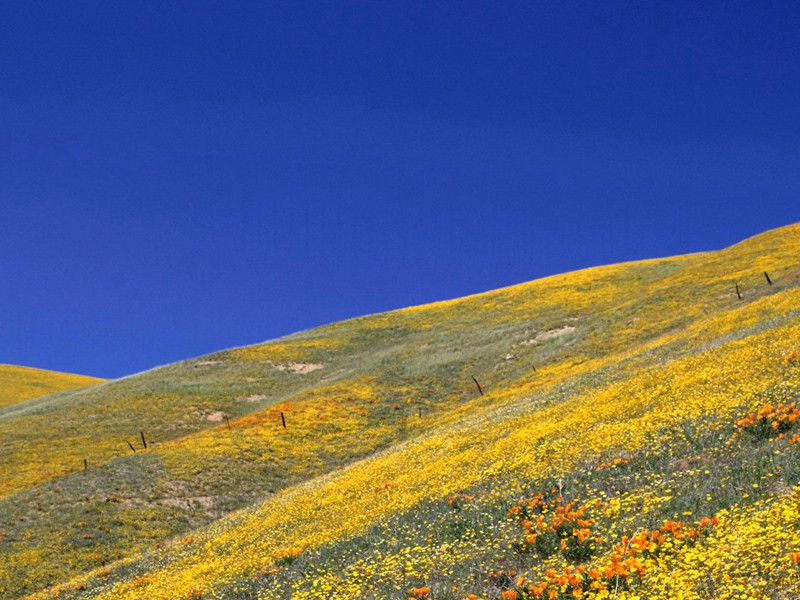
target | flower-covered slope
x=18, y=384
x=621, y=444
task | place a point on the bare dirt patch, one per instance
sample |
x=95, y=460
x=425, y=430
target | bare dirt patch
x=549, y=334
x=296, y=367
x=190, y=503
x=215, y=416
x=256, y=397
x=204, y=502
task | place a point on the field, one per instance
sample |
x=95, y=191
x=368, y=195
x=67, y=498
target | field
x=18, y=384
x=626, y=431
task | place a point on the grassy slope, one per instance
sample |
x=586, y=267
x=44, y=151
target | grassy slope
x=643, y=351
x=18, y=384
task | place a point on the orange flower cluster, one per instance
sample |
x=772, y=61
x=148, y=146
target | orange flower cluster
x=457, y=501
x=794, y=557
x=271, y=570
x=555, y=526
x=629, y=557
x=617, y=462
x=528, y=506
x=502, y=579
x=770, y=421
x=629, y=561
x=793, y=358
x=286, y=557
x=141, y=582
x=420, y=592
x=571, y=582
x=386, y=486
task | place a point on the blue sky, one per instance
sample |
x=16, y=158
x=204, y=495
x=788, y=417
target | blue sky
x=181, y=177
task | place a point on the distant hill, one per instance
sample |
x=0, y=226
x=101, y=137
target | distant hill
x=18, y=384
x=621, y=431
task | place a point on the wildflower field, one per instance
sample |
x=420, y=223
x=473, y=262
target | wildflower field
x=629, y=431
x=18, y=384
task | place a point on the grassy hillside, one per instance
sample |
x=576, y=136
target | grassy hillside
x=18, y=384
x=611, y=453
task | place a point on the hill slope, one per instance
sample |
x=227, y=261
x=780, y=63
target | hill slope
x=617, y=389
x=18, y=384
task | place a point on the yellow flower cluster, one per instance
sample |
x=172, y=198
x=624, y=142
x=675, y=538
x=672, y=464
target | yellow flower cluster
x=748, y=556
x=18, y=384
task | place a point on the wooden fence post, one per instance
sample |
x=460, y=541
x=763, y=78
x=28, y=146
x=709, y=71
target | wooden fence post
x=480, y=389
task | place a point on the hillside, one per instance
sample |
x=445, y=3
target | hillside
x=608, y=451
x=18, y=384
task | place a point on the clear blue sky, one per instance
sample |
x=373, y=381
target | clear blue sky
x=181, y=177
